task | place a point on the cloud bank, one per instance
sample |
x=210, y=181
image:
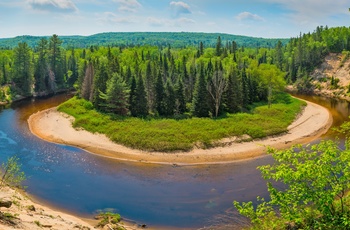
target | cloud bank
x=59, y=6
x=179, y=8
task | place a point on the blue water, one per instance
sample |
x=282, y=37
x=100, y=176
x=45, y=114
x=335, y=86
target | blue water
x=78, y=182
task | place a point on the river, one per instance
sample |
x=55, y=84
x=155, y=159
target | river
x=83, y=184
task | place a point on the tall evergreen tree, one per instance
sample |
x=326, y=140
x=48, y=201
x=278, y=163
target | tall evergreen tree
x=41, y=72
x=55, y=60
x=141, y=98
x=160, y=95
x=218, y=47
x=200, y=107
x=4, y=72
x=132, y=98
x=22, y=69
x=279, y=55
x=232, y=96
x=180, y=103
x=116, y=97
x=72, y=69
x=170, y=99
x=100, y=83
x=245, y=89
x=149, y=86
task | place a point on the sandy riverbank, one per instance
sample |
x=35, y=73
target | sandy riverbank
x=30, y=215
x=55, y=126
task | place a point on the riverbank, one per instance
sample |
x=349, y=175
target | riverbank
x=56, y=127
x=27, y=215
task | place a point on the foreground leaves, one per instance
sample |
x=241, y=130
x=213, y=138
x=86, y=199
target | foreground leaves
x=314, y=192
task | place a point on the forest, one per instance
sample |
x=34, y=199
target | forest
x=198, y=80
x=159, y=39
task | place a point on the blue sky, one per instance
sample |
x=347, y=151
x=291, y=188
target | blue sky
x=258, y=18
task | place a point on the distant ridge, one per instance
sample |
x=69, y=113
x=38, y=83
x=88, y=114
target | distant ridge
x=175, y=39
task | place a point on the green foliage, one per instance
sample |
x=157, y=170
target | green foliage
x=116, y=96
x=200, y=97
x=108, y=218
x=11, y=173
x=23, y=69
x=173, y=135
x=176, y=40
x=316, y=180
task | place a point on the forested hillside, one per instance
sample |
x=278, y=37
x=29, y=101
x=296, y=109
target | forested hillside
x=160, y=39
x=167, y=81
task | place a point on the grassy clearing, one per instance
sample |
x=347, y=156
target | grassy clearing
x=170, y=135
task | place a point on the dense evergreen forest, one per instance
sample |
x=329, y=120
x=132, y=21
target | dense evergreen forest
x=197, y=80
x=160, y=39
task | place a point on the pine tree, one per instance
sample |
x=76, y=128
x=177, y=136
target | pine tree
x=201, y=48
x=55, y=60
x=41, y=67
x=279, y=55
x=22, y=69
x=180, y=98
x=245, y=89
x=218, y=48
x=141, y=99
x=150, y=86
x=4, y=72
x=232, y=96
x=73, y=69
x=128, y=75
x=132, y=97
x=100, y=83
x=170, y=99
x=116, y=97
x=200, y=107
x=160, y=95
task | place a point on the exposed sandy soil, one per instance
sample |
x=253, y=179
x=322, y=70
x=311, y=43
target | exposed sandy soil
x=55, y=126
x=337, y=66
x=29, y=215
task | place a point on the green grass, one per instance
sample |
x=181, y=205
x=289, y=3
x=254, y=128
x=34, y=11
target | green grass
x=171, y=135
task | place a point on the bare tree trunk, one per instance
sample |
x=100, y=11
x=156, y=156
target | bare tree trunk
x=87, y=87
x=216, y=87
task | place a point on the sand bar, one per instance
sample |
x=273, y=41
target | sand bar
x=54, y=126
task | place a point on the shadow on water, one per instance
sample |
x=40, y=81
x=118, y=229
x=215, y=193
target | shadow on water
x=158, y=195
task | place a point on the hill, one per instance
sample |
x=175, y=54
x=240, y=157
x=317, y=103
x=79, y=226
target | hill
x=176, y=39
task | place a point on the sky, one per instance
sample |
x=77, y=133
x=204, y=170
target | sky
x=257, y=18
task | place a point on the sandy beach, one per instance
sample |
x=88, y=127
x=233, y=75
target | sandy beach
x=30, y=215
x=56, y=127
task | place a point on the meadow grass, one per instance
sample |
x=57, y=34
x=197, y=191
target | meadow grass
x=169, y=135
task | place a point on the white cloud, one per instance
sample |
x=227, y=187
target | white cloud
x=309, y=11
x=111, y=18
x=156, y=22
x=161, y=22
x=185, y=21
x=63, y=6
x=179, y=8
x=244, y=16
x=128, y=5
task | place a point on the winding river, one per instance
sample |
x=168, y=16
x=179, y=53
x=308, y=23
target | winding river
x=83, y=184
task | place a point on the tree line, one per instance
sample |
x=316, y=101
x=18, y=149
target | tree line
x=151, y=80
